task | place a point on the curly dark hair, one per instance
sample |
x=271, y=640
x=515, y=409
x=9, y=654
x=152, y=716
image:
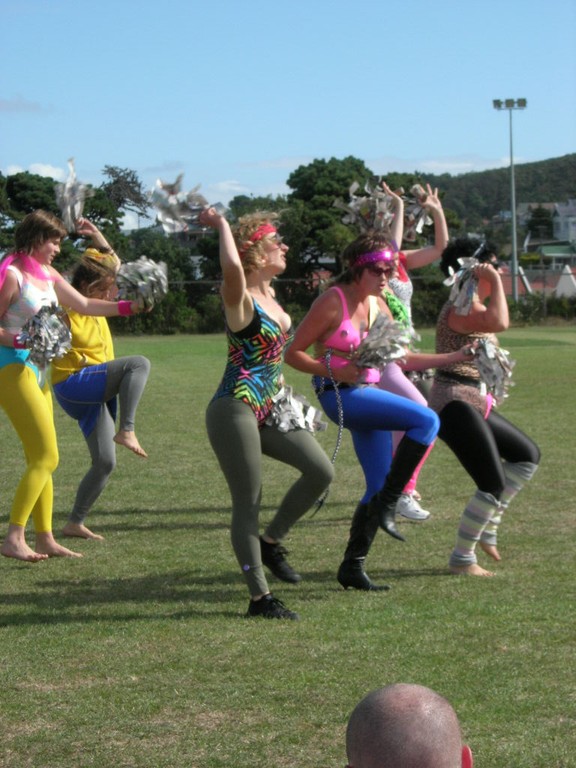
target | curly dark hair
x=463, y=248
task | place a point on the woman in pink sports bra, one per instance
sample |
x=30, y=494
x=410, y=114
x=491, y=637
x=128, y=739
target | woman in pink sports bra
x=335, y=324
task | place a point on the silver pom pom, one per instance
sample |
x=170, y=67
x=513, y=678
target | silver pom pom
x=46, y=335
x=176, y=210
x=495, y=367
x=143, y=280
x=386, y=341
x=70, y=197
x=291, y=411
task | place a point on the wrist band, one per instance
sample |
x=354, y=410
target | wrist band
x=125, y=308
x=18, y=344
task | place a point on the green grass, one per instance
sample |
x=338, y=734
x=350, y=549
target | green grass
x=138, y=654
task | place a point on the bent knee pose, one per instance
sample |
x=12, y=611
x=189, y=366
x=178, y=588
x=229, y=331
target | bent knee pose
x=336, y=324
x=28, y=282
x=88, y=382
x=258, y=331
x=497, y=455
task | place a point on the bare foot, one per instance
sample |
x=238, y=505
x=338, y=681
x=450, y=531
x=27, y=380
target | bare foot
x=130, y=441
x=491, y=551
x=470, y=570
x=47, y=545
x=80, y=531
x=21, y=551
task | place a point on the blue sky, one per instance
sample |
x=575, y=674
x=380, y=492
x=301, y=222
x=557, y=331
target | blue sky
x=236, y=94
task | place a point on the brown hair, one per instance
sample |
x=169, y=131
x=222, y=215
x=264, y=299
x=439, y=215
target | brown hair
x=251, y=253
x=37, y=228
x=367, y=242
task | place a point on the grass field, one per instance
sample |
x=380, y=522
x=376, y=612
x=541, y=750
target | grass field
x=138, y=654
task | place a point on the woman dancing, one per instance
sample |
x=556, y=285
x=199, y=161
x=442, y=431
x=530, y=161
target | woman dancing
x=498, y=456
x=28, y=282
x=87, y=381
x=393, y=378
x=336, y=323
x=258, y=331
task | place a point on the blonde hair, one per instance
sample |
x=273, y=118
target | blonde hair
x=251, y=253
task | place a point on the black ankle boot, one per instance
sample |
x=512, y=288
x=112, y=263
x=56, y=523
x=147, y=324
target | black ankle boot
x=407, y=457
x=352, y=574
x=363, y=529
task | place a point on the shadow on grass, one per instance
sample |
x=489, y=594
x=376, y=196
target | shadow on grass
x=60, y=601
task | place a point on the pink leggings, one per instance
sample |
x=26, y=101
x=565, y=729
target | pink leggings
x=394, y=380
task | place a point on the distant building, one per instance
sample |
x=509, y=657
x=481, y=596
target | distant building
x=564, y=221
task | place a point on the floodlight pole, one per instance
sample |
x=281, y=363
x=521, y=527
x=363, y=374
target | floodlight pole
x=511, y=104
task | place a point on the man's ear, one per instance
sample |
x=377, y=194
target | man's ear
x=467, y=759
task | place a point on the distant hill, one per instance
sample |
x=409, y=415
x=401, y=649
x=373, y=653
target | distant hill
x=482, y=195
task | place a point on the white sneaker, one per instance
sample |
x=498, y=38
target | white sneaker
x=408, y=507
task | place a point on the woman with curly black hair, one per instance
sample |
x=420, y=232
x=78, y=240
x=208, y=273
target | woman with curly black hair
x=498, y=456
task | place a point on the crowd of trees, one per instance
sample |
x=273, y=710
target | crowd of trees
x=310, y=224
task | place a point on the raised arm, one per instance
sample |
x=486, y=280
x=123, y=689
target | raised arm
x=492, y=317
x=238, y=304
x=397, y=226
x=88, y=229
x=421, y=257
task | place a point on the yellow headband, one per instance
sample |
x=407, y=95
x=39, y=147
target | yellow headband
x=105, y=262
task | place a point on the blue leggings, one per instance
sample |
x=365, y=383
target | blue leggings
x=371, y=415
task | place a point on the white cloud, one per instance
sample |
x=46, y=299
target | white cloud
x=40, y=169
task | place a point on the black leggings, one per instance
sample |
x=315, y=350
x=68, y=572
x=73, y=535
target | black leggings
x=481, y=445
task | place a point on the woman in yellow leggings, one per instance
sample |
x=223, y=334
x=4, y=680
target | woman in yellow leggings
x=27, y=283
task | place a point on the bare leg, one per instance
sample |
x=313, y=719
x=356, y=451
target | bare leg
x=491, y=550
x=14, y=545
x=46, y=544
x=80, y=531
x=130, y=441
x=470, y=570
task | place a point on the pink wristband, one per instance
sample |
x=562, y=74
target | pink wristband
x=18, y=344
x=125, y=308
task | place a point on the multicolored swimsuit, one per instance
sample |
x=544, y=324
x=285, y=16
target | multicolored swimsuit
x=253, y=371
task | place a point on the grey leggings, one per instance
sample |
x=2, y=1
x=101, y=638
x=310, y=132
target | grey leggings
x=125, y=377
x=239, y=446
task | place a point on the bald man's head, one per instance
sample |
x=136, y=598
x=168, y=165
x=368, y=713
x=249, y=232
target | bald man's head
x=404, y=726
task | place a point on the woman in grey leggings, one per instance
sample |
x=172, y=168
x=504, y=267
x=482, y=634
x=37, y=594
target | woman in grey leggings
x=238, y=417
x=88, y=380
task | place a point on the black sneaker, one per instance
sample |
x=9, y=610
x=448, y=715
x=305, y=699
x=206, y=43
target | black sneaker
x=269, y=607
x=274, y=557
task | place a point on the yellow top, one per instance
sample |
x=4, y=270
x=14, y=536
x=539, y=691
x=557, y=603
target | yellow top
x=91, y=345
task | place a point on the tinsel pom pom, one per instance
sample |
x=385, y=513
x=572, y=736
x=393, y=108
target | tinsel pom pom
x=143, y=280
x=46, y=335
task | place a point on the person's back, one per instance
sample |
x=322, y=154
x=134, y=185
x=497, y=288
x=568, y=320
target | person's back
x=405, y=726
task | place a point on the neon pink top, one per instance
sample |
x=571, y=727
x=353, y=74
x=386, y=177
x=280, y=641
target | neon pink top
x=346, y=338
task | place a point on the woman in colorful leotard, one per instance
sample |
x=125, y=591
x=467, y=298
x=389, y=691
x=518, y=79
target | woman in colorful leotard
x=258, y=331
x=88, y=381
x=336, y=323
x=497, y=455
x=28, y=282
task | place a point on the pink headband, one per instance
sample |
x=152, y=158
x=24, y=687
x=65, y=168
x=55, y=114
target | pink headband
x=373, y=257
x=262, y=231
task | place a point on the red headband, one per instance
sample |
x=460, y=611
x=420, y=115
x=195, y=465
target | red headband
x=262, y=231
x=373, y=257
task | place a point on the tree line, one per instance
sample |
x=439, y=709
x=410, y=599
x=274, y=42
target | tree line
x=310, y=224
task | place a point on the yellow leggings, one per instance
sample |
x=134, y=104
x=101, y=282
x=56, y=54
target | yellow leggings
x=29, y=408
